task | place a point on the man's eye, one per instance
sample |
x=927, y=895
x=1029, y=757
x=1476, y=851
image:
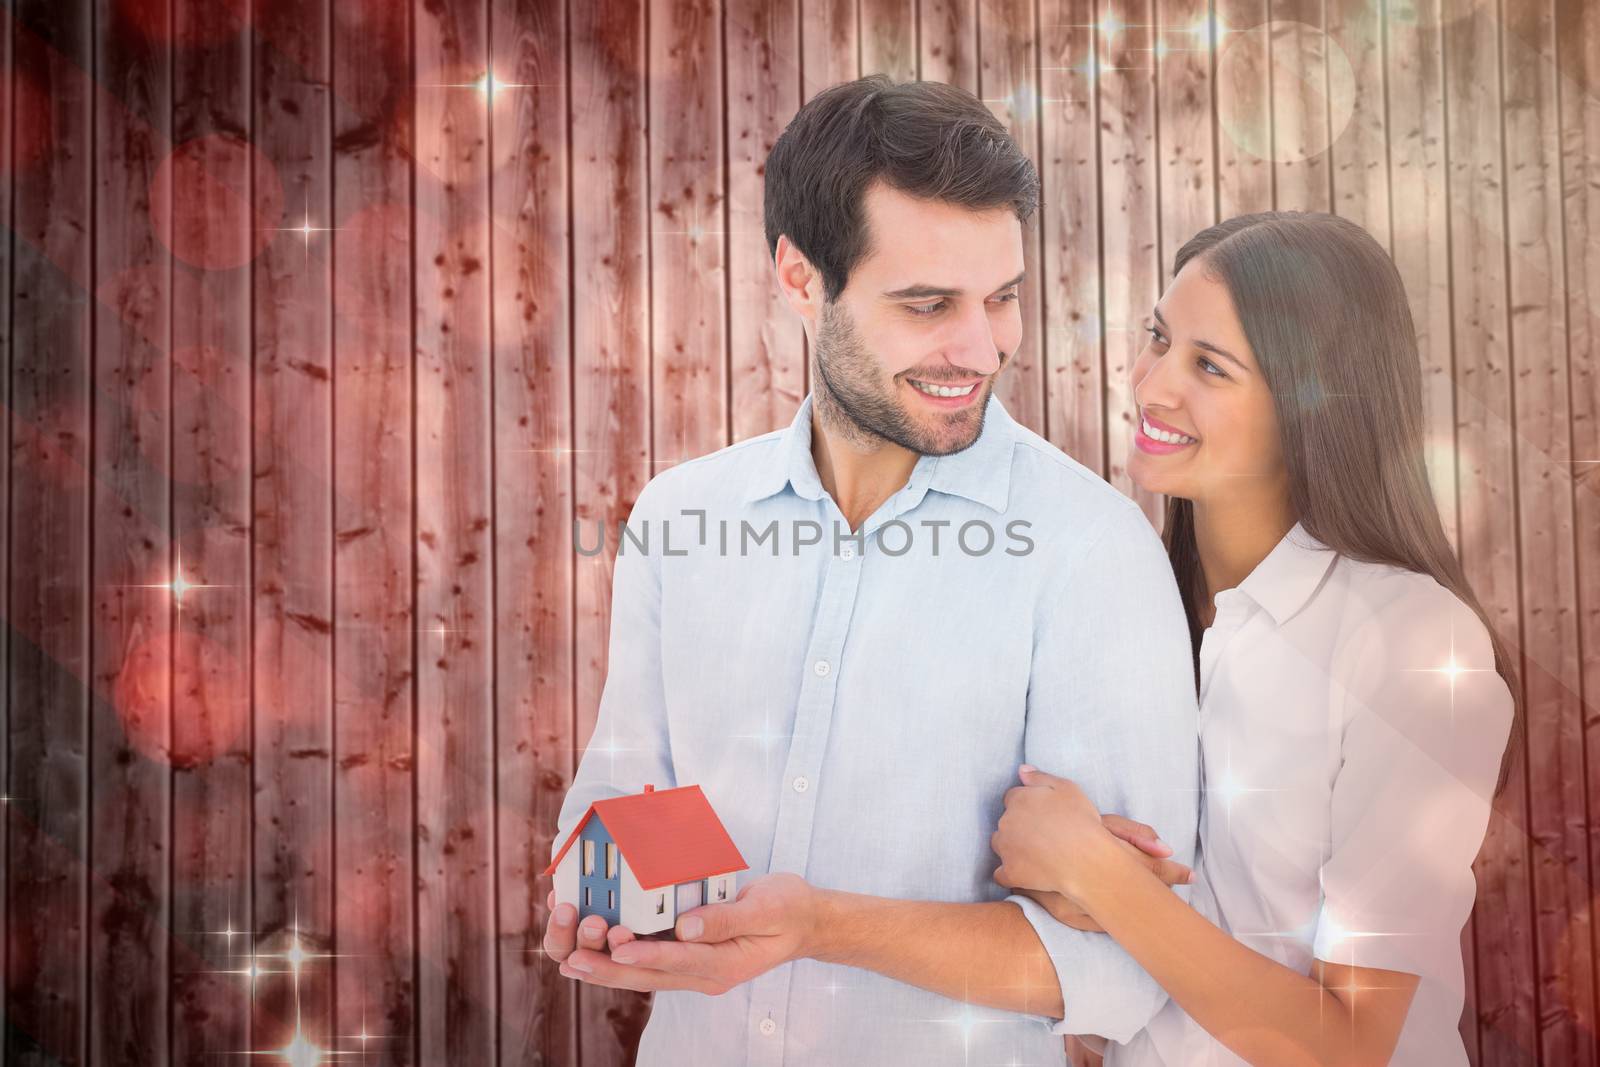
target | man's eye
x=938, y=305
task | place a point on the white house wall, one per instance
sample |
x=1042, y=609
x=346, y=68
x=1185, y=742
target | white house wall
x=566, y=878
x=639, y=904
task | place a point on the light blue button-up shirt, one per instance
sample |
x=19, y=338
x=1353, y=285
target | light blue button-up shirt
x=855, y=708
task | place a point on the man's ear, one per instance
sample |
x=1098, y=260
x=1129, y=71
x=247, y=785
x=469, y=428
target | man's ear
x=798, y=281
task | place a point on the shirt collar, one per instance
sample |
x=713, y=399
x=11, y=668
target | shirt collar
x=981, y=472
x=1284, y=582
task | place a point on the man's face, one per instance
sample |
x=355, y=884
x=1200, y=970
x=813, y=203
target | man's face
x=932, y=309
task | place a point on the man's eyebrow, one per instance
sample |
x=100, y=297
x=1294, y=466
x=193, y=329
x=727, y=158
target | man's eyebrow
x=911, y=292
x=1206, y=346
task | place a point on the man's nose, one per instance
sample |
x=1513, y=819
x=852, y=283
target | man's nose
x=975, y=349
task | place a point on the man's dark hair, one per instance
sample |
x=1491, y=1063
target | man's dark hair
x=926, y=139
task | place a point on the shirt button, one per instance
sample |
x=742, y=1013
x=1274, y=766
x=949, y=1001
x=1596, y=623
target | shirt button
x=768, y=1027
x=822, y=668
x=801, y=785
x=847, y=552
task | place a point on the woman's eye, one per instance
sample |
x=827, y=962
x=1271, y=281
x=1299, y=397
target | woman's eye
x=1155, y=335
x=1210, y=368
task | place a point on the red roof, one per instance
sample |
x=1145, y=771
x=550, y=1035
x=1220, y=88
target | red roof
x=668, y=837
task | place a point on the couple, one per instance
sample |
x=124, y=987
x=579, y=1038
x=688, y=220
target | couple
x=1299, y=693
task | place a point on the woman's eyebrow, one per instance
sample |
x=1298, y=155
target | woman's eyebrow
x=922, y=291
x=1205, y=346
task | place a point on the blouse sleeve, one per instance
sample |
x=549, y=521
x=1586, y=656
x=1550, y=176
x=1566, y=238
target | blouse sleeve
x=1426, y=723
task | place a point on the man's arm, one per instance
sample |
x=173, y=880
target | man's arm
x=629, y=746
x=1112, y=697
x=984, y=954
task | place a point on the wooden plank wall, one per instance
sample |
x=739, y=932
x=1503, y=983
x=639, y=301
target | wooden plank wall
x=305, y=314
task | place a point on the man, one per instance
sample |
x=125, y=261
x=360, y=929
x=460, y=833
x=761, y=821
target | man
x=851, y=632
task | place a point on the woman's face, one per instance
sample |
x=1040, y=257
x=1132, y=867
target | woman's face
x=1207, y=428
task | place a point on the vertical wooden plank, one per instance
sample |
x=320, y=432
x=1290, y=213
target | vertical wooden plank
x=211, y=757
x=829, y=53
x=455, y=522
x=1243, y=107
x=1300, y=58
x=533, y=300
x=1008, y=83
x=688, y=257
x=610, y=218
x=1420, y=245
x=1488, y=522
x=1184, y=121
x=1578, y=52
x=1130, y=254
x=293, y=522
x=8, y=166
x=766, y=341
x=1550, y=664
x=48, y=606
x=888, y=38
x=1421, y=238
x=1069, y=285
x=375, y=620
x=131, y=645
x=1358, y=154
x=947, y=42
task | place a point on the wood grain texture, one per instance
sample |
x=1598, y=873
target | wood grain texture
x=292, y=520
x=1506, y=1004
x=508, y=305
x=130, y=779
x=1130, y=257
x=375, y=712
x=1563, y=938
x=1070, y=283
x=48, y=596
x=211, y=476
x=1008, y=83
x=1577, y=35
x=611, y=361
x=533, y=427
x=456, y=640
x=766, y=342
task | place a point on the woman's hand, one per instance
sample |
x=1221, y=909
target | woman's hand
x=1144, y=838
x=1053, y=840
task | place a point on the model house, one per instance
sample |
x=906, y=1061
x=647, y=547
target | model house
x=641, y=860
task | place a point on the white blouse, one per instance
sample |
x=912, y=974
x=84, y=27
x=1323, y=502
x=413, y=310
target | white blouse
x=1351, y=730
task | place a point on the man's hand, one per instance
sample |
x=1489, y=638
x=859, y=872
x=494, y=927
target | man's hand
x=772, y=921
x=561, y=939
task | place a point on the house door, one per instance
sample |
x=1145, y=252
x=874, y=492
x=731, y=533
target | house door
x=599, y=874
x=690, y=895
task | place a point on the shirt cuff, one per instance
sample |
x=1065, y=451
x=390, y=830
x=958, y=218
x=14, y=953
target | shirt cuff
x=1103, y=991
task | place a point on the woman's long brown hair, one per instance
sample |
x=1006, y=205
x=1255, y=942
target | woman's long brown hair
x=1326, y=314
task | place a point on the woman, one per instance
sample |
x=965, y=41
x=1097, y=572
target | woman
x=1355, y=705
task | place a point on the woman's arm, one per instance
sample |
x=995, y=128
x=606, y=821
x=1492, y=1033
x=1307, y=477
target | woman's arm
x=1262, y=1010
x=1051, y=837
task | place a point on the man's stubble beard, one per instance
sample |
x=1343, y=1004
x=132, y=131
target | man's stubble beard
x=850, y=404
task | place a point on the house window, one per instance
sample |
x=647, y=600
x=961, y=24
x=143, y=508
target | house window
x=722, y=889
x=611, y=860
x=586, y=896
x=661, y=903
x=588, y=857
x=611, y=899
